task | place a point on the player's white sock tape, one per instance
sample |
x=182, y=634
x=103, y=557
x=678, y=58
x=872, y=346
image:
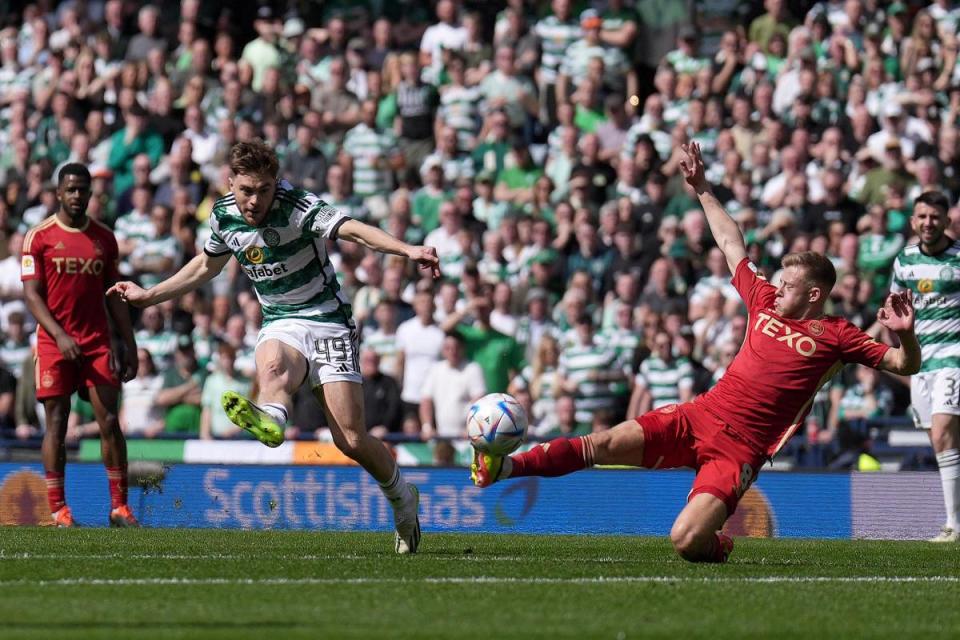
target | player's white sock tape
x=949, y=463
x=395, y=487
x=276, y=411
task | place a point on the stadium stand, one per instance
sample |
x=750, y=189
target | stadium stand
x=535, y=145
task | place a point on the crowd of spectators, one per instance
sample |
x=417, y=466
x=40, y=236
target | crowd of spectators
x=535, y=145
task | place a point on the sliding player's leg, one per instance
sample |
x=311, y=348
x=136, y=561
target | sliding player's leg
x=654, y=440
x=695, y=533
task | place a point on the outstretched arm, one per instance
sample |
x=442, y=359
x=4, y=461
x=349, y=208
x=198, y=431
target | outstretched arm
x=194, y=274
x=724, y=229
x=373, y=238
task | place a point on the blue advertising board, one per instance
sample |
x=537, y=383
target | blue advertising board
x=630, y=502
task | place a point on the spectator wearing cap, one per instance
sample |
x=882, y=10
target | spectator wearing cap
x=148, y=37
x=891, y=171
x=685, y=59
x=555, y=33
x=504, y=88
x=382, y=408
x=133, y=139
x=214, y=423
x=181, y=395
x=263, y=52
x=451, y=384
x=618, y=74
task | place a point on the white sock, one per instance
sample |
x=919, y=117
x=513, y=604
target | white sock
x=949, y=463
x=276, y=411
x=396, y=487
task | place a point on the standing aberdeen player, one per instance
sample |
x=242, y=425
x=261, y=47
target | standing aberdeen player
x=727, y=434
x=931, y=270
x=279, y=235
x=68, y=262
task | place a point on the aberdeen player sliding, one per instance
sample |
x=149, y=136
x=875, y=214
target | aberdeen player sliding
x=69, y=261
x=727, y=434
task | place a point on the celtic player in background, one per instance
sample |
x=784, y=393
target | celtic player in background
x=931, y=269
x=278, y=234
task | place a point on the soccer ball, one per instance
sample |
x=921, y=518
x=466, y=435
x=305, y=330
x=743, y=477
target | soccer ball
x=496, y=424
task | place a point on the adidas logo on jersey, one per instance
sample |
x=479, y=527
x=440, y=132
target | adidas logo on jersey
x=60, y=246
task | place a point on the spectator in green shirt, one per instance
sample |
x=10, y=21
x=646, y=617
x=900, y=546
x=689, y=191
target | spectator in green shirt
x=181, y=394
x=516, y=183
x=499, y=355
x=776, y=20
x=127, y=143
x=489, y=156
x=427, y=199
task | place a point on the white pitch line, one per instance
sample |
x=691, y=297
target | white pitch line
x=285, y=556
x=67, y=582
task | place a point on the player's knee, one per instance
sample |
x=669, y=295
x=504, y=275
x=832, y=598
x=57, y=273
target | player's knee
x=110, y=426
x=687, y=541
x=273, y=376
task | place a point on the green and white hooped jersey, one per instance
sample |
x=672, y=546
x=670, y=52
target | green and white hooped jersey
x=935, y=281
x=285, y=257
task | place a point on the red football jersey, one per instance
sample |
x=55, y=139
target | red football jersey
x=767, y=391
x=74, y=268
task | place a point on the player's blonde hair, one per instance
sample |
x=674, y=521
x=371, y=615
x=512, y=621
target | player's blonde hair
x=817, y=269
x=254, y=158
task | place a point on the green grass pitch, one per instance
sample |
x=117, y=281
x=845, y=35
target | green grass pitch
x=101, y=583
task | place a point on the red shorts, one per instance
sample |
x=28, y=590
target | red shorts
x=57, y=376
x=687, y=435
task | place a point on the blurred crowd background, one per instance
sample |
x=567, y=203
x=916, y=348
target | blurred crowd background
x=534, y=144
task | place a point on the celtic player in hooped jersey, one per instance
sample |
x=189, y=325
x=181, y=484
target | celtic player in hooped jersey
x=931, y=269
x=278, y=233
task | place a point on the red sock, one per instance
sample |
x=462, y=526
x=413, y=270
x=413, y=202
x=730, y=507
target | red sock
x=555, y=458
x=117, y=478
x=55, y=495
